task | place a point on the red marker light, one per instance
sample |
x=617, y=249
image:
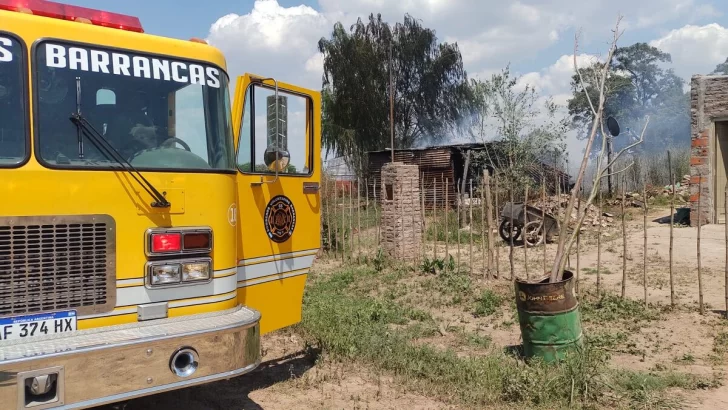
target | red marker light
x=73, y=13
x=166, y=242
x=197, y=240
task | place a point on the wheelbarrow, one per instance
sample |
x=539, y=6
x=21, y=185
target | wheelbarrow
x=532, y=225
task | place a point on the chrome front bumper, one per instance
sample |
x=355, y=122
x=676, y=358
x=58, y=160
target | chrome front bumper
x=116, y=363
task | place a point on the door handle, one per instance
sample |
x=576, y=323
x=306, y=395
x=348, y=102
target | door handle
x=310, y=187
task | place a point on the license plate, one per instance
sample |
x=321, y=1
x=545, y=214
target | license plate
x=23, y=327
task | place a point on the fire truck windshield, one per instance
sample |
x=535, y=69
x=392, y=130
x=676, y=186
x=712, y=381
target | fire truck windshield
x=160, y=113
x=13, y=103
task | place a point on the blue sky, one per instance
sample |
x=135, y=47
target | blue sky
x=279, y=38
x=179, y=19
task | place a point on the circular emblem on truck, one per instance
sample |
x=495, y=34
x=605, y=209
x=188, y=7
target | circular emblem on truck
x=280, y=219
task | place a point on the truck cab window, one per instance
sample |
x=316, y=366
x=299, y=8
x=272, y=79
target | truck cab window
x=285, y=146
x=13, y=116
x=158, y=113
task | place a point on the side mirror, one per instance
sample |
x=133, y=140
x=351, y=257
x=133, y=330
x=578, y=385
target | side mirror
x=613, y=126
x=276, y=156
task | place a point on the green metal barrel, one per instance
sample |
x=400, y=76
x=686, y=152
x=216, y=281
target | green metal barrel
x=549, y=317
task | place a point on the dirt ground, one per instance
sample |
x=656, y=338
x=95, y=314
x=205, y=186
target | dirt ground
x=682, y=339
x=289, y=378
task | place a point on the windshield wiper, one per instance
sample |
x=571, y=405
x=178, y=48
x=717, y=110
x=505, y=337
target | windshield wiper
x=110, y=152
x=85, y=127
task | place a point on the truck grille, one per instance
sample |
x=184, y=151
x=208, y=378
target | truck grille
x=52, y=263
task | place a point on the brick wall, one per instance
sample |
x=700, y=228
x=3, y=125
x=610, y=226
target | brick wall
x=709, y=103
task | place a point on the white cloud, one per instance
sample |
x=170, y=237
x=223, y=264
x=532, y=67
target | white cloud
x=274, y=41
x=279, y=41
x=695, y=49
x=315, y=64
x=556, y=78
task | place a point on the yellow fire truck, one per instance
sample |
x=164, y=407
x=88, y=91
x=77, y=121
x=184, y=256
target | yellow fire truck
x=150, y=232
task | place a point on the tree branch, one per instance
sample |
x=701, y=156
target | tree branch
x=581, y=79
x=557, y=270
x=595, y=190
x=621, y=170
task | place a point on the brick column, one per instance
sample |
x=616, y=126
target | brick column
x=708, y=96
x=401, y=211
x=700, y=175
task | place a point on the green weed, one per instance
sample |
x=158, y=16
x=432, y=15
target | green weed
x=487, y=303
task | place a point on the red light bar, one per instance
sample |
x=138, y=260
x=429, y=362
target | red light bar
x=72, y=13
x=166, y=242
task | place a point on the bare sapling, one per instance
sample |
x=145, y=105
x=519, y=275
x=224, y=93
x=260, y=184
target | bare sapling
x=700, y=222
x=566, y=239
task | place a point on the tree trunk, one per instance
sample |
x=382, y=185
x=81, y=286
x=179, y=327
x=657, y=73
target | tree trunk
x=610, y=186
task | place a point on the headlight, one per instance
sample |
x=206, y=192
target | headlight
x=164, y=274
x=179, y=272
x=194, y=271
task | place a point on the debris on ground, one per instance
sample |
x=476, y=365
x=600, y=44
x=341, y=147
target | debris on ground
x=635, y=199
x=556, y=206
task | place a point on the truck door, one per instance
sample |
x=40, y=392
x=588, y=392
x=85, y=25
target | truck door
x=277, y=131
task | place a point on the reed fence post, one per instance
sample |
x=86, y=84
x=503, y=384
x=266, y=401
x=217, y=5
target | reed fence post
x=510, y=254
x=524, y=234
x=434, y=214
x=470, y=213
x=578, y=245
x=726, y=251
x=644, y=245
x=672, y=224
x=447, y=208
x=700, y=222
x=624, y=239
x=358, y=218
x=599, y=243
x=497, y=224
